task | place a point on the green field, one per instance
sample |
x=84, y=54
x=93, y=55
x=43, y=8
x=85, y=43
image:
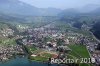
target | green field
x=79, y=51
x=7, y=42
x=39, y=58
x=31, y=49
x=48, y=55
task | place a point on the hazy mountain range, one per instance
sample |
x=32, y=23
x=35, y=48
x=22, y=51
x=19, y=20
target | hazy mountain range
x=15, y=10
x=16, y=7
x=21, y=8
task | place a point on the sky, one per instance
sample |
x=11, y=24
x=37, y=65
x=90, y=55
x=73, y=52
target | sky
x=62, y=4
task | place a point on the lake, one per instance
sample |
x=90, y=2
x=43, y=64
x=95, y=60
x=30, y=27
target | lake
x=23, y=62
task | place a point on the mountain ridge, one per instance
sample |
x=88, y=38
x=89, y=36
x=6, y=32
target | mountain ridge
x=21, y=8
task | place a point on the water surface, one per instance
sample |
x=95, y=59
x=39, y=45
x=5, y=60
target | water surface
x=23, y=62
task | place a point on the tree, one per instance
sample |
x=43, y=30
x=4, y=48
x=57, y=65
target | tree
x=98, y=47
x=78, y=25
x=60, y=42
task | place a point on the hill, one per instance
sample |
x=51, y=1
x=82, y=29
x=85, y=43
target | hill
x=21, y=8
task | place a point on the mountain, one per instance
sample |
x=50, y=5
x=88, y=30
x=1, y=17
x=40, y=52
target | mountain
x=96, y=12
x=69, y=12
x=96, y=29
x=21, y=8
x=8, y=18
x=49, y=11
x=88, y=8
x=17, y=7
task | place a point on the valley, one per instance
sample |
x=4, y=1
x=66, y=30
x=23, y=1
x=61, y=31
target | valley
x=38, y=36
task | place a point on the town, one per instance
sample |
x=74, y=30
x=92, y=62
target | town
x=49, y=41
x=49, y=33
